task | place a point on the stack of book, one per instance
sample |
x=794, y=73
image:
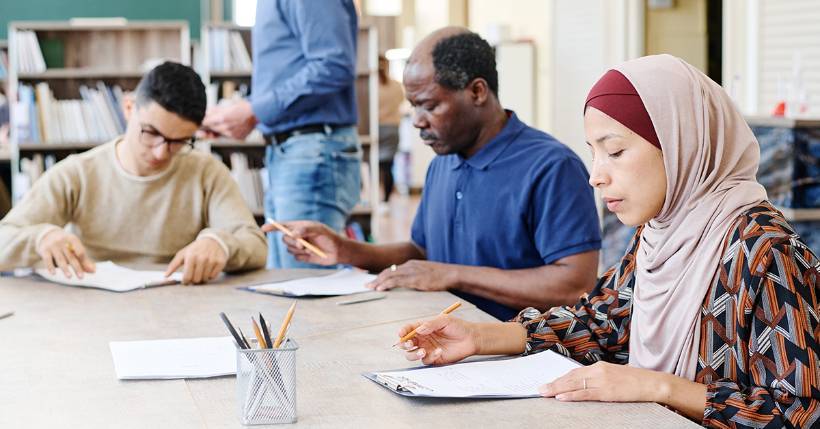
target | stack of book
x=228, y=51
x=29, y=56
x=96, y=118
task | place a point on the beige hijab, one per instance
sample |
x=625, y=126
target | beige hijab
x=711, y=158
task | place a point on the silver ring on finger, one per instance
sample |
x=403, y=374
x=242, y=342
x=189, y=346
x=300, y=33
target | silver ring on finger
x=393, y=268
x=585, y=383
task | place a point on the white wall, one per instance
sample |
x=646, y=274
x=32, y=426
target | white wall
x=579, y=60
x=516, y=64
x=575, y=42
x=525, y=19
x=428, y=16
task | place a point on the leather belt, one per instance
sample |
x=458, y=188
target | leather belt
x=279, y=138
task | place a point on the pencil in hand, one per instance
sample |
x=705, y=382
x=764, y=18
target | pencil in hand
x=284, y=230
x=412, y=333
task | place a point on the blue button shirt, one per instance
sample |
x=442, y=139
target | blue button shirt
x=304, y=63
x=522, y=201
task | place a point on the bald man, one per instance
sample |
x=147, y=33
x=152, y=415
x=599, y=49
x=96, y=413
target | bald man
x=507, y=219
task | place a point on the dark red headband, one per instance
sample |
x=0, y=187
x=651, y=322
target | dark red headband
x=614, y=95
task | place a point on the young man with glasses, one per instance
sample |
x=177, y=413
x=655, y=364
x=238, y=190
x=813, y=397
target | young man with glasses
x=144, y=197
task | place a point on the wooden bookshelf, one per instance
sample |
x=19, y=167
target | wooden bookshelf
x=5, y=150
x=55, y=147
x=367, y=96
x=119, y=54
x=81, y=73
x=230, y=74
x=82, y=54
x=209, y=72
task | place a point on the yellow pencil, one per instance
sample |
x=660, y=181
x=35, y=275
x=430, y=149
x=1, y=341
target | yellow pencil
x=412, y=333
x=304, y=242
x=282, y=329
x=259, y=338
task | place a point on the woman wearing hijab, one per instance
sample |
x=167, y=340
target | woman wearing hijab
x=713, y=311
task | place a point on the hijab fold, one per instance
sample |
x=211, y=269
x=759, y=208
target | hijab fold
x=711, y=158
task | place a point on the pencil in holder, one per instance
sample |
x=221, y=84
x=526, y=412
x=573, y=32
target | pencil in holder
x=266, y=384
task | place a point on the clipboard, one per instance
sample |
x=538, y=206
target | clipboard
x=546, y=366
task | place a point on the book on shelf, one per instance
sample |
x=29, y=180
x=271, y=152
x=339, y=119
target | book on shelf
x=94, y=118
x=251, y=181
x=26, y=122
x=225, y=91
x=228, y=51
x=4, y=65
x=354, y=231
x=29, y=56
x=31, y=168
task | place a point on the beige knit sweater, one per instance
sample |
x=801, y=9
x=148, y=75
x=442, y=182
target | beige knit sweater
x=126, y=218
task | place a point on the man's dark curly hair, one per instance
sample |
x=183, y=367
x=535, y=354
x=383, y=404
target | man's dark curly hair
x=461, y=58
x=175, y=87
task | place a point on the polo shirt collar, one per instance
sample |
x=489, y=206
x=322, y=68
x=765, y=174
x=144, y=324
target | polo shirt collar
x=494, y=147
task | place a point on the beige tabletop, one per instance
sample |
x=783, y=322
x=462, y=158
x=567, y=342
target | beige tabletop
x=56, y=368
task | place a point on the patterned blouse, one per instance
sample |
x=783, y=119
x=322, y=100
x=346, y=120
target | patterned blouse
x=759, y=326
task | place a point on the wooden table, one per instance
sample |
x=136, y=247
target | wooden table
x=56, y=368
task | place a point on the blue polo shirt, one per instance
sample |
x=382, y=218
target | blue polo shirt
x=522, y=201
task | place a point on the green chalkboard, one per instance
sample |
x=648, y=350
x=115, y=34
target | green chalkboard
x=61, y=10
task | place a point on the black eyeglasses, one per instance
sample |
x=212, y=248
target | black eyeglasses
x=152, y=139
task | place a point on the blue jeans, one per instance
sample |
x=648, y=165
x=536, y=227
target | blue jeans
x=313, y=176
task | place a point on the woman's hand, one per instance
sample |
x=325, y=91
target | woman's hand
x=604, y=381
x=440, y=341
x=609, y=382
x=448, y=339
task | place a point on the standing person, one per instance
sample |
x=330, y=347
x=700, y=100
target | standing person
x=303, y=99
x=713, y=310
x=391, y=97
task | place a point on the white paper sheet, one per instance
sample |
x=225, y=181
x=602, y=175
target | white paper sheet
x=176, y=358
x=110, y=276
x=511, y=378
x=343, y=282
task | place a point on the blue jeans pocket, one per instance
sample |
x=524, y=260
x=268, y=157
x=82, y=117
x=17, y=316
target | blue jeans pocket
x=313, y=177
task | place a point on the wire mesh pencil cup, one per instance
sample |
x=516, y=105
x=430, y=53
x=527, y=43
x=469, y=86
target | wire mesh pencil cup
x=266, y=384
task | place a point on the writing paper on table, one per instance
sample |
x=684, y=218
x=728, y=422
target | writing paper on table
x=113, y=277
x=174, y=358
x=342, y=282
x=517, y=377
